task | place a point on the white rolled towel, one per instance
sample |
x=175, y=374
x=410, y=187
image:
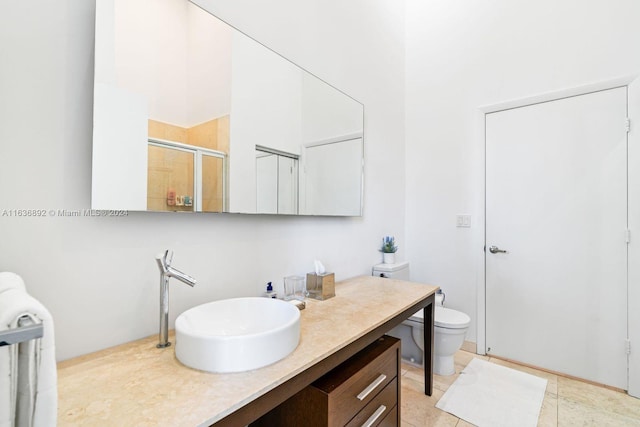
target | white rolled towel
x=31, y=397
x=10, y=281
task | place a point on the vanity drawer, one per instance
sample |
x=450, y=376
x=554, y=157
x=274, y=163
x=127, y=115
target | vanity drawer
x=352, y=385
x=379, y=408
x=366, y=381
x=392, y=419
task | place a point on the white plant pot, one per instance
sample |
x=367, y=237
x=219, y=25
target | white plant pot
x=388, y=258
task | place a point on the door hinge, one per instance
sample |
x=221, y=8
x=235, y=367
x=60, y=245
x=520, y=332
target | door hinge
x=627, y=346
x=627, y=124
x=628, y=235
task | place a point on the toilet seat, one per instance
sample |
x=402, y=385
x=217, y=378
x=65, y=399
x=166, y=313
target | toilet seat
x=445, y=318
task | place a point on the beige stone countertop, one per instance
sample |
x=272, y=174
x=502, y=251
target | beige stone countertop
x=137, y=384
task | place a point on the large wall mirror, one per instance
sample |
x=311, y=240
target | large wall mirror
x=191, y=115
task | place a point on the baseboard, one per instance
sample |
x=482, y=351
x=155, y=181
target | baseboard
x=560, y=374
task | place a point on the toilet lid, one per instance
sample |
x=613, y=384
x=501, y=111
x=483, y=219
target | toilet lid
x=446, y=318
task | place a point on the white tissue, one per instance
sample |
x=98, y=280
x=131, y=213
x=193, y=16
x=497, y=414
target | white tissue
x=319, y=267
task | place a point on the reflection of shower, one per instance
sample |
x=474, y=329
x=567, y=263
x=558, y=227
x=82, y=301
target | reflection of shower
x=333, y=177
x=183, y=177
x=276, y=181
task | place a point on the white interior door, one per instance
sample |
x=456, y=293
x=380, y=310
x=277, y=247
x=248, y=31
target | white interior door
x=267, y=184
x=556, y=201
x=287, y=185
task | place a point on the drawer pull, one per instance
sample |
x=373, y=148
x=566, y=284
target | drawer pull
x=364, y=393
x=372, y=419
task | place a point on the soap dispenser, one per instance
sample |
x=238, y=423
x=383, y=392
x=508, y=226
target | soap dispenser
x=270, y=293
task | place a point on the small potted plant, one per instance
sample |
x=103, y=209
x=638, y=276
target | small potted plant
x=389, y=250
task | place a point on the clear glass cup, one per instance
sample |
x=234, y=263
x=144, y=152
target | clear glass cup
x=294, y=288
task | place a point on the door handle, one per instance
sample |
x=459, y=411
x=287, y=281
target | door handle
x=497, y=250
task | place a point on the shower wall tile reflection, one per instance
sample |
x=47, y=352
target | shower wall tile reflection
x=174, y=178
x=212, y=184
x=170, y=178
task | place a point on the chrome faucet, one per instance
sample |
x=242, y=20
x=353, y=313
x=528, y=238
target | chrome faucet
x=167, y=272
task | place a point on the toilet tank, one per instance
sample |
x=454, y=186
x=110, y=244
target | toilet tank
x=398, y=270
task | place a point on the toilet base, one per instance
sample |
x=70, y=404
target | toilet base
x=443, y=365
x=410, y=352
x=447, y=341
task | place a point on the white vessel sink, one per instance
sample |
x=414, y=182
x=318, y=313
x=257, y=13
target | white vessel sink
x=237, y=334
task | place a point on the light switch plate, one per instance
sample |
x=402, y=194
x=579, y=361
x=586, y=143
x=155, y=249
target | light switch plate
x=463, y=220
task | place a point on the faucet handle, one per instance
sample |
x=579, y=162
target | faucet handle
x=164, y=260
x=168, y=257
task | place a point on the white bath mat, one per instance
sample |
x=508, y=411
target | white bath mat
x=490, y=395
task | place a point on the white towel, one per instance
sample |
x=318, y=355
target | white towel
x=32, y=398
x=10, y=281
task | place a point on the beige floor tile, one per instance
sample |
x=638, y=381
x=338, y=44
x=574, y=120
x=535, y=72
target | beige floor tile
x=599, y=398
x=443, y=383
x=440, y=382
x=549, y=411
x=419, y=410
x=418, y=386
x=413, y=372
x=406, y=364
x=567, y=402
x=552, y=379
x=571, y=413
x=462, y=358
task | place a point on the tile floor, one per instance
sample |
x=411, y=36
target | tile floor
x=567, y=402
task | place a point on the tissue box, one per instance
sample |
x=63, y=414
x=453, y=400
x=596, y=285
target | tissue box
x=321, y=286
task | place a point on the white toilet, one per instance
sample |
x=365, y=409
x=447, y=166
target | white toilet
x=450, y=327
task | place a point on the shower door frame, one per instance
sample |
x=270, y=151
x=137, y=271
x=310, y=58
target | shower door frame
x=198, y=152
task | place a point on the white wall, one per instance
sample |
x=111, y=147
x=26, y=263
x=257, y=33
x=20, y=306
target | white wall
x=208, y=66
x=265, y=110
x=327, y=113
x=461, y=56
x=185, y=50
x=266, y=99
x=97, y=275
x=161, y=48
x=119, y=155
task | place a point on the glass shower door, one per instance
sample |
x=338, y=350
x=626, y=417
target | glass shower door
x=170, y=179
x=213, y=183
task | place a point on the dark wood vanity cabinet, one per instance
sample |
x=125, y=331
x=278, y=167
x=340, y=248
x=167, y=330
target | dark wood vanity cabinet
x=364, y=390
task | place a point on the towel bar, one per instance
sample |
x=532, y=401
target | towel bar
x=21, y=334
